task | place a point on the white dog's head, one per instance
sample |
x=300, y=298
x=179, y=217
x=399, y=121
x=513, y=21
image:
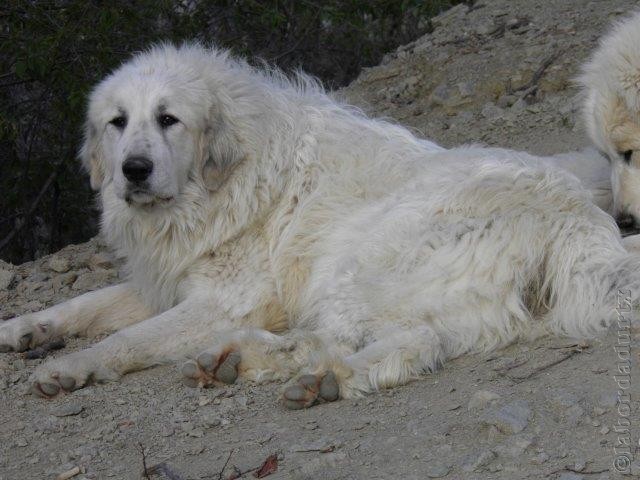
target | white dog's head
x=161, y=120
x=611, y=80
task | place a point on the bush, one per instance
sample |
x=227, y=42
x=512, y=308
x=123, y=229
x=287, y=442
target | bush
x=54, y=51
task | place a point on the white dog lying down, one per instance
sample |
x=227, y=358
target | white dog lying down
x=248, y=204
x=611, y=82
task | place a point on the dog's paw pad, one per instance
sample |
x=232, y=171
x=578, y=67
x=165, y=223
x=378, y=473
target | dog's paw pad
x=308, y=390
x=227, y=371
x=54, y=385
x=210, y=369
x=45, y=389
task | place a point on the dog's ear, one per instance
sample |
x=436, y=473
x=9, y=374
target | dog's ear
x=221, y=152
x=91, y=156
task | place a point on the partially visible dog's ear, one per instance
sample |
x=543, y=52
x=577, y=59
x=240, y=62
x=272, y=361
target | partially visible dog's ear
x=92, y=157
x=221, y=152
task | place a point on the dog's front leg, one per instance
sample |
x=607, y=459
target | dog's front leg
x=104, y=310
x=173, y=335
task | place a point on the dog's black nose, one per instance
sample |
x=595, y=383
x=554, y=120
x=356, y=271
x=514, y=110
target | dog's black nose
x=137, y=169
x=626, y=220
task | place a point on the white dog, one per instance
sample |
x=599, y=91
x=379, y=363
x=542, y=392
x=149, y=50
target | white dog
x=611, y=81
x=248, y=204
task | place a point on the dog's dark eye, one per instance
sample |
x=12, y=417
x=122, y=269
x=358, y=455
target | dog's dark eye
x=627, y=155
x=167, y=120
x=119, y=122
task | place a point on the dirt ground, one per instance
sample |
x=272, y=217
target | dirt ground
x=498, y=74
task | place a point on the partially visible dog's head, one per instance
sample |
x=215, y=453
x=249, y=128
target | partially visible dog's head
x=611, y=80
x=158, y=122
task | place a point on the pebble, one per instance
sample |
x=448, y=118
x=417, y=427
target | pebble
x=6, y=279
x=437, y=471
x=541, y=458
x=563, y=398
x=511, y=418
x=67, y=410
x=90, y=280
x=99, y=260
x=59, y=264
x=477, y=461
x=608, y=400
x=516, y=446
x=574, y=414
x=481, y=399
x=210, y=421
x=570, y=476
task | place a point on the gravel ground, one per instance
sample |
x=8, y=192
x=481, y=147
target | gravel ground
x=499, y=74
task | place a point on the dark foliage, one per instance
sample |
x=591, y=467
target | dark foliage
x=52, y=52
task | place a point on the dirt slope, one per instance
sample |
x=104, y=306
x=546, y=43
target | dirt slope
x=499, y=74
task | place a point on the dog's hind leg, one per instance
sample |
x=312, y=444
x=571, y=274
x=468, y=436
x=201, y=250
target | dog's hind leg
x=399, y=356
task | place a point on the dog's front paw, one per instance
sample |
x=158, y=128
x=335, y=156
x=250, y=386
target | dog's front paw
x=25, y=332
x=71, y=372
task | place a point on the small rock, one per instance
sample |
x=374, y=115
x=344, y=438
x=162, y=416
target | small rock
x=570, y=476
x=91, y=280
x=481, y=399
x=196, y=432
x=6, y=279
x=574, y=414
x=516, y=446
x=491, y=112
x=608, y=400
x=506, y=101
x=604, y=430
x=210, y=421
x=511, y=418
x=67, y=410
x=475, y=462
x=63, y=280
x=539, y=459
x=99, y=260
x=564, y=398
x=59, y=264
x=21, y=442
x=437, y=471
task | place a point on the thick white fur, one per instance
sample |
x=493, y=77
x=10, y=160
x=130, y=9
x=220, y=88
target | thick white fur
x=611, y=83
x=374, y=254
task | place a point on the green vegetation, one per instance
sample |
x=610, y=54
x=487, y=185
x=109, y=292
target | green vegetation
x=52, y=52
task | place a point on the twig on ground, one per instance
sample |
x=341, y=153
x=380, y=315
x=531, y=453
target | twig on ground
x=327, y=449
x=225, y=465
x=545, y=366
x=145, y=472
x=569, y=468
x=531, y=86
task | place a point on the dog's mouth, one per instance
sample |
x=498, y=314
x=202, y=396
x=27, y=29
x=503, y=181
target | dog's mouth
x=144, y=198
